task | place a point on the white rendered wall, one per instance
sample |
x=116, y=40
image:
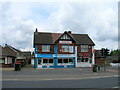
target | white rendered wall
x=75, y=56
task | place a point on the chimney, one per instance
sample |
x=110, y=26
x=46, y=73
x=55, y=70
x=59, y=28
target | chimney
x=5, y=44
x=36, y=30
x=69, y=32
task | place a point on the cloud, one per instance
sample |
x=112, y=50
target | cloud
x=19, y=33
x=98, y=20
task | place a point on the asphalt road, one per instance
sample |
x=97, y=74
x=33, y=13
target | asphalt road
x=59, y=78
x=108, y=82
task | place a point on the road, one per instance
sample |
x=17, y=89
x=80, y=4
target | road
x=108, y=82
x=60, y=78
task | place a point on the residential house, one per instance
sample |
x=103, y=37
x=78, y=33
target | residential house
x=11, y=54
x=8, y=56
x=59, y=50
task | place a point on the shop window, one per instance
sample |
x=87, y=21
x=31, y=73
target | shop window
x=45, y=60
x=84, y=60
x=84, y=48
x=90, y=60
x=65, y=60
x=59, y=60
x=39, y=61
x=70, y=60
x=45, y=48
x=50, y=60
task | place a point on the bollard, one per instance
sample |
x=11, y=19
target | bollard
x=94, y=68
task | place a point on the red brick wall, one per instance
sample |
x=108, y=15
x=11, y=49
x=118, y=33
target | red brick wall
x=99, y=61
x=89, y=50
x=40, y=49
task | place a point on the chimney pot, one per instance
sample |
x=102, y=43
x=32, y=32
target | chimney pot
x=69, y=32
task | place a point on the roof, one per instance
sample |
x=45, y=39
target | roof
x=50, y=38
x=10, y=51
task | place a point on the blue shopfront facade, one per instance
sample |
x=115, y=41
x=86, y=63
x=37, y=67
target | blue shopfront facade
x=57, y=60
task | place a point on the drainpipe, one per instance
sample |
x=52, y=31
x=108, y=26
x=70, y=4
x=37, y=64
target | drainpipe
x=93, y=55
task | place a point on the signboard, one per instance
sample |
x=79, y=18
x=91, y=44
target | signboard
x=65, y=42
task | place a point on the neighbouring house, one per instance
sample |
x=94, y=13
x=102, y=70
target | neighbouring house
x=10, y=55
x=59, y=50
x=99, y=59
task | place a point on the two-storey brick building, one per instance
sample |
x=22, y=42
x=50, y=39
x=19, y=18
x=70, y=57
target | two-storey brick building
x=59, y=50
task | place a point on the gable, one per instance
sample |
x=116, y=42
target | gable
x=66, y=36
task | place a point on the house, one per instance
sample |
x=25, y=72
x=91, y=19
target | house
x=59, y=50
x=10, y=55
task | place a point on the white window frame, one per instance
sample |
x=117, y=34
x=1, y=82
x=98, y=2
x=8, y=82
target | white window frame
x=48, y=61
x=45, y=48
x=69, y=63
x=70, y=49
x=84, y=48
x=65, y=48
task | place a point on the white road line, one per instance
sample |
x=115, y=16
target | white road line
x=58, y=78
x=115, y=87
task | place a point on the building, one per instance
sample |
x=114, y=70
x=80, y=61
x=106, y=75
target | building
x=59, y=50
x=10, y=54
x=28, y=56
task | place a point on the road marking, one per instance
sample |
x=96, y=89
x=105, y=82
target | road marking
x=115, y=87
x=59, y=78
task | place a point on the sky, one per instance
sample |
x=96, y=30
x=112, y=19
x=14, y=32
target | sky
x=97, y=19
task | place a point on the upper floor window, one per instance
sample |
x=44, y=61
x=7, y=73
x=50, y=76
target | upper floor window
x=45, y=48
x=65, y=36
x=67, y=49
x=84, y=48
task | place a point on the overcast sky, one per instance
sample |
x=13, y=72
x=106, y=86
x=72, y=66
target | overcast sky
x=97, y=19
